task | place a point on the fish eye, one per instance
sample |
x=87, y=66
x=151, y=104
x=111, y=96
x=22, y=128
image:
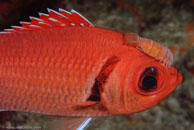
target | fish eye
x=150, y=81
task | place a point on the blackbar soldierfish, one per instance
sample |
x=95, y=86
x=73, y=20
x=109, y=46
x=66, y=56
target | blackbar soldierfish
x=60, y=64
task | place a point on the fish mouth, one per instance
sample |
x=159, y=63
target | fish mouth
x=179, y=78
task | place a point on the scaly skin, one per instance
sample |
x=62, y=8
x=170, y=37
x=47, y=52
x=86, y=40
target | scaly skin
x=50, y=71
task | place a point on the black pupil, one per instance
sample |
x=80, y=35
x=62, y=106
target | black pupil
x=148, y=79
x=148, y=83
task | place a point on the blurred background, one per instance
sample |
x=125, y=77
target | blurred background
x=170, y=22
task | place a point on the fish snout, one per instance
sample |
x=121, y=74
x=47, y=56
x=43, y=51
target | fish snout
x=177, y=76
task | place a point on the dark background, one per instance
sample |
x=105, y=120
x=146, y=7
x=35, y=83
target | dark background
x=170, y=22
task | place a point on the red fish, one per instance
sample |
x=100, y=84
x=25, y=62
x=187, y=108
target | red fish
x=61, y=64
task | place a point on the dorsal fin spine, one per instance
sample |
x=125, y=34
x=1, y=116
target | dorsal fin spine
x=54, y=19
x=62, y=10
x=50, y=11
x=16, y=27
x=59, y=17
x=73, y=11
x=8, y=30
x=21, y=22
x=2, y=32
x=45, y=23
x=31, y=17
x=35, y=26
x=40, y=14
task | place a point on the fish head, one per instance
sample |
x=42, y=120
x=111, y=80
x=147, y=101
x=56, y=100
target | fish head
x=139, y=82
x=147, y=84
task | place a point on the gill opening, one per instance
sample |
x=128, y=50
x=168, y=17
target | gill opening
x=102, y=78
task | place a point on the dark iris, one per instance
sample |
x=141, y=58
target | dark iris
x=148, y=83
x=148, y=79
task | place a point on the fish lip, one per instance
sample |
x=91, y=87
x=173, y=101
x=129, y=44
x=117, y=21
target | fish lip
x=173, y=71
x=179, y=78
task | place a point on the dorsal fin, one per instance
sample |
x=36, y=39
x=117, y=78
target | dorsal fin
x=54, y=19
x=150, y=47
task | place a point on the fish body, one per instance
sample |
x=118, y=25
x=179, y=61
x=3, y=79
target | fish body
x=50, y=71
x=60, y=64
